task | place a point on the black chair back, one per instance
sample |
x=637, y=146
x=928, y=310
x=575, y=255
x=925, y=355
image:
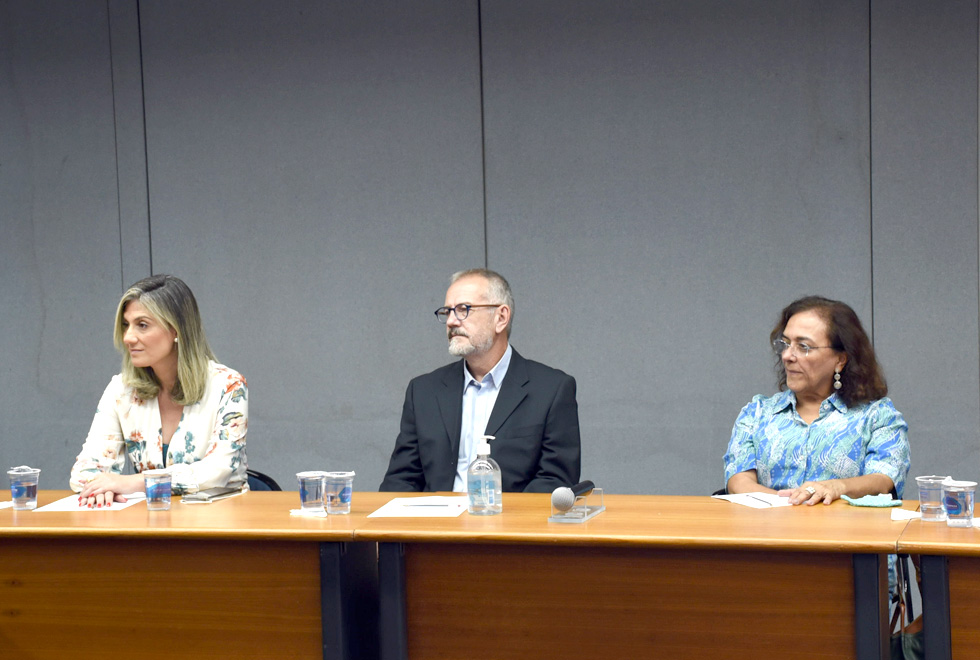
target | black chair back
x=259, y=481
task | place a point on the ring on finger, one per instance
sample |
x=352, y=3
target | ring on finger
x=810, y=489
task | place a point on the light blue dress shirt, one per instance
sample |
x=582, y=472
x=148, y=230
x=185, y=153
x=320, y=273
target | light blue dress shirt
x=478, y=401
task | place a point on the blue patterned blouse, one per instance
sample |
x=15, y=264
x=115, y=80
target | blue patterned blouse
x=770, y=437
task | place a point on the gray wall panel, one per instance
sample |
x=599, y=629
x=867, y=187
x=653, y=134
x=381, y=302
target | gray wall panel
x=924, y=184
x=59, y=230
x=315, y=175
x=661, y=180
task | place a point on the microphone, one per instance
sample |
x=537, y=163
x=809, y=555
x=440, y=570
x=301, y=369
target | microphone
x=563, y=498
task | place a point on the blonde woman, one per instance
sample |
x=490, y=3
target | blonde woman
x=172, y=405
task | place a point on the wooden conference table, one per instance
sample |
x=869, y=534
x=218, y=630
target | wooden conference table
x=950, y=562
x=652, y=576
x=239, y=578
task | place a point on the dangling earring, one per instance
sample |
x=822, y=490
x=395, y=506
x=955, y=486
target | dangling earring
x=837, y=383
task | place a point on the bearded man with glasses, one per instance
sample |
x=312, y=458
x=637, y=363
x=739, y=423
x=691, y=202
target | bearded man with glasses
x=529, y=408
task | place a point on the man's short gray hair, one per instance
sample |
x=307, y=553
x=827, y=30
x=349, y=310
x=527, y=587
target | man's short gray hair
x=498, y=291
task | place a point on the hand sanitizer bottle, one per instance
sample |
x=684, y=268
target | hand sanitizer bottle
x=483, y=481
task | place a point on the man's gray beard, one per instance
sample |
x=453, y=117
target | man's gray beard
x=461, y=349
x=465, y=349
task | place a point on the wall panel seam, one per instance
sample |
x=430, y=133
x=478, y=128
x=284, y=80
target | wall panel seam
x=483, y=132
x=871, y=160
x=115, y=146
x=146, y=145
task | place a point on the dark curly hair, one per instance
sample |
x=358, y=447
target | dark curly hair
x=861, y=378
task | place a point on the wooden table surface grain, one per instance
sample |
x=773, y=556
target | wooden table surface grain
x=658, y=520
x=642, y=520
x=938, y=538
x=252, y=515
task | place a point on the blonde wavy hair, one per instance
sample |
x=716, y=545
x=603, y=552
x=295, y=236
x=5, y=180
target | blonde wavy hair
x=170, y=302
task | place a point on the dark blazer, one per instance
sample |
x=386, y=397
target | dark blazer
x=534, y=420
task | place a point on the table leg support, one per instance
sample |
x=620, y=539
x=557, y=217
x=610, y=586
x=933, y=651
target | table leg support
x=935, y=607
x=392, y=603
x=871, y=607
x=348, y=600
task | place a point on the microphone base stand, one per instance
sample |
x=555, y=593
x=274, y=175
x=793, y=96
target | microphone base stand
x=585, y=507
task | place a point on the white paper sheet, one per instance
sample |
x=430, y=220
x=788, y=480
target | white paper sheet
x=70, y=503
x=6, y=505
x=756, y=500
x=905, y=514
x=434, y=506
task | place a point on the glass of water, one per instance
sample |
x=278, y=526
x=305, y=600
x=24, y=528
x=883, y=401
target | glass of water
x=23, y=487
x=931, y=497
x=958, y=502
x=311, y=490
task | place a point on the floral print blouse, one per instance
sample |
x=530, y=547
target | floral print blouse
x=206, y=451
